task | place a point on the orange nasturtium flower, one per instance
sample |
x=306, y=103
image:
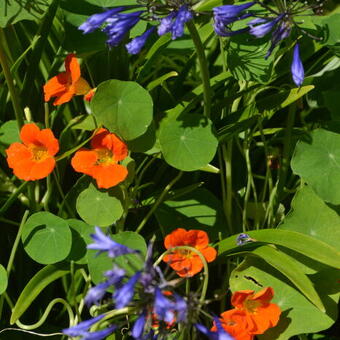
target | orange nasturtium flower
x=101, y=162
x=260, y=313
x=66, y=84
x=33, y=158
x=187, y=263
x=253, y=314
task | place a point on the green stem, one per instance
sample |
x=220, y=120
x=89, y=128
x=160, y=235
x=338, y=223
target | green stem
x=10, y=83
x=13, y=252
x=13, y=197
x=227, y=157
x=158, y=202
x=47, y=312
x=203, y=67
x=287, y=144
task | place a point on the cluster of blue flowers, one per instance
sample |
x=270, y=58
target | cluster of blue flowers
x=117, y=23
x=157, y=302
x=266, y=20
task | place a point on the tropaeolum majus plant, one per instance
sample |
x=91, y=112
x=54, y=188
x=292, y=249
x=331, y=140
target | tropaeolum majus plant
x=170, y=169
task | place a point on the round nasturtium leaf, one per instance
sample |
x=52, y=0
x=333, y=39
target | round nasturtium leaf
x=188, y=142
x=124, y=107
x=3, y=279
x=100, y=208
x=80, y=238
x=46, y=238
x=9, y=132
x=99, y=264
x=318, y=163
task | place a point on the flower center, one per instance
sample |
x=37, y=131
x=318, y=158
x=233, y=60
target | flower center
x=40, y=153
x=186, y=253
x=105, y=157
x=251, y=305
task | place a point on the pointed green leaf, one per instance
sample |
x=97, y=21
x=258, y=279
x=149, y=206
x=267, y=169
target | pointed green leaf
x=34, y=287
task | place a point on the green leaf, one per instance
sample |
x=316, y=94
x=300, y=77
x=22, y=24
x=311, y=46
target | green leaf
x=124, y=107
x=9, y=132
x=332, y=23
x=188, y=142
x=317, y=220
x=3, y=279
x=98, y=264
x=46, y=238
x=14, y=11
x=80, y=238
x=35, y=286
x=199, y=209
x=299, y=315
x=318, y=163
x=246, y=58
x=159, y=81
x=291, y=269
x=299, y=242
x=98, y=207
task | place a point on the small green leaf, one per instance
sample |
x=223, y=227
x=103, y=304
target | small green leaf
x=46, y=238
x=318, y=163
x=9, y=132
x=188, y=142
x=35, y=286
x=98, y=207
x=3, y=279
x=124, y=107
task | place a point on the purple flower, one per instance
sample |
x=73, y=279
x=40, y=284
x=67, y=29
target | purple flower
x=102, y=334
x=260, y=27
x=175, y=22
x=166, y=309
x=124, y=295
x=82, y=330
x=183, y=15
x=135, y=45
x=297, y=69
x=96, y=20
x=226, y=15
x=118, y=25
x=105, y=243
x=138, y=327
x=95, y=294
x=242, y=239
x=220, y=334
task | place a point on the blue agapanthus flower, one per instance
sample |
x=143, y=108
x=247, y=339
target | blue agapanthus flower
x=226, y=15
x=96, y=293
x=124, y=295
x=297, y=69
x=136, y=44
x=175, y=22
x=219, y=334
x=104, y=243
x=115, y=23
x=82, y=329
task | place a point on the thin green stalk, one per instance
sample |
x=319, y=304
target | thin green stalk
x=13, y=197
x=227, y=157
x=203, y=67
x=18, y=111
x=47, y=312
x=158, y=202
x=287, y=144
x=12, y=255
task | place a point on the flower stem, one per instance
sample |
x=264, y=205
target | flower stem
x=10, y=83
x=203, y=67
x=158, y=202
